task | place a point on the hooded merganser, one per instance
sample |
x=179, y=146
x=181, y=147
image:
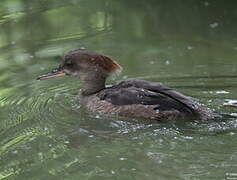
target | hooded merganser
x=129, y=98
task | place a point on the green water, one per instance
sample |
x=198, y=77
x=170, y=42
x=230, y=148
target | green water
x=189, y=45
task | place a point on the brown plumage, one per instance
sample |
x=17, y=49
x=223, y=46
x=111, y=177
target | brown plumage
x=86, y=57
x=131, y=98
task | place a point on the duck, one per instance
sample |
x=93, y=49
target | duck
x=132, y=98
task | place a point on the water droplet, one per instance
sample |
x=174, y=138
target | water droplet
x=97, y=116
x=122, y=159
x=233, y=114
x=151, y=62
x=167, y=62
x=29, y=133
x=188, y=137
x=189, y=47
x=13, y=42
x=206, y=3
x=222, y=92
x=112, y=172
x=214, y=25
x=14, y=152
x=232, y=101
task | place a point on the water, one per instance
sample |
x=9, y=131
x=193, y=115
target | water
x=44, y=132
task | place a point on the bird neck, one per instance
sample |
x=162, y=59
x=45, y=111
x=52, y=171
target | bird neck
x=93, y=85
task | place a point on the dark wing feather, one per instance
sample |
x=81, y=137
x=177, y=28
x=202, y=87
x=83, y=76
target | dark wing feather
x=147, y=93
x=160, y=88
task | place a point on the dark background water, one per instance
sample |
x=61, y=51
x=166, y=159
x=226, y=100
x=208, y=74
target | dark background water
x=187, y=44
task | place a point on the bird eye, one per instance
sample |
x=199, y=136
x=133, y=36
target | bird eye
x=68, y=63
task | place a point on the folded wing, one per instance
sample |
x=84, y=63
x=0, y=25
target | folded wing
x=148, y=93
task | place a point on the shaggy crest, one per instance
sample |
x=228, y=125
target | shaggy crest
x=92, y=58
